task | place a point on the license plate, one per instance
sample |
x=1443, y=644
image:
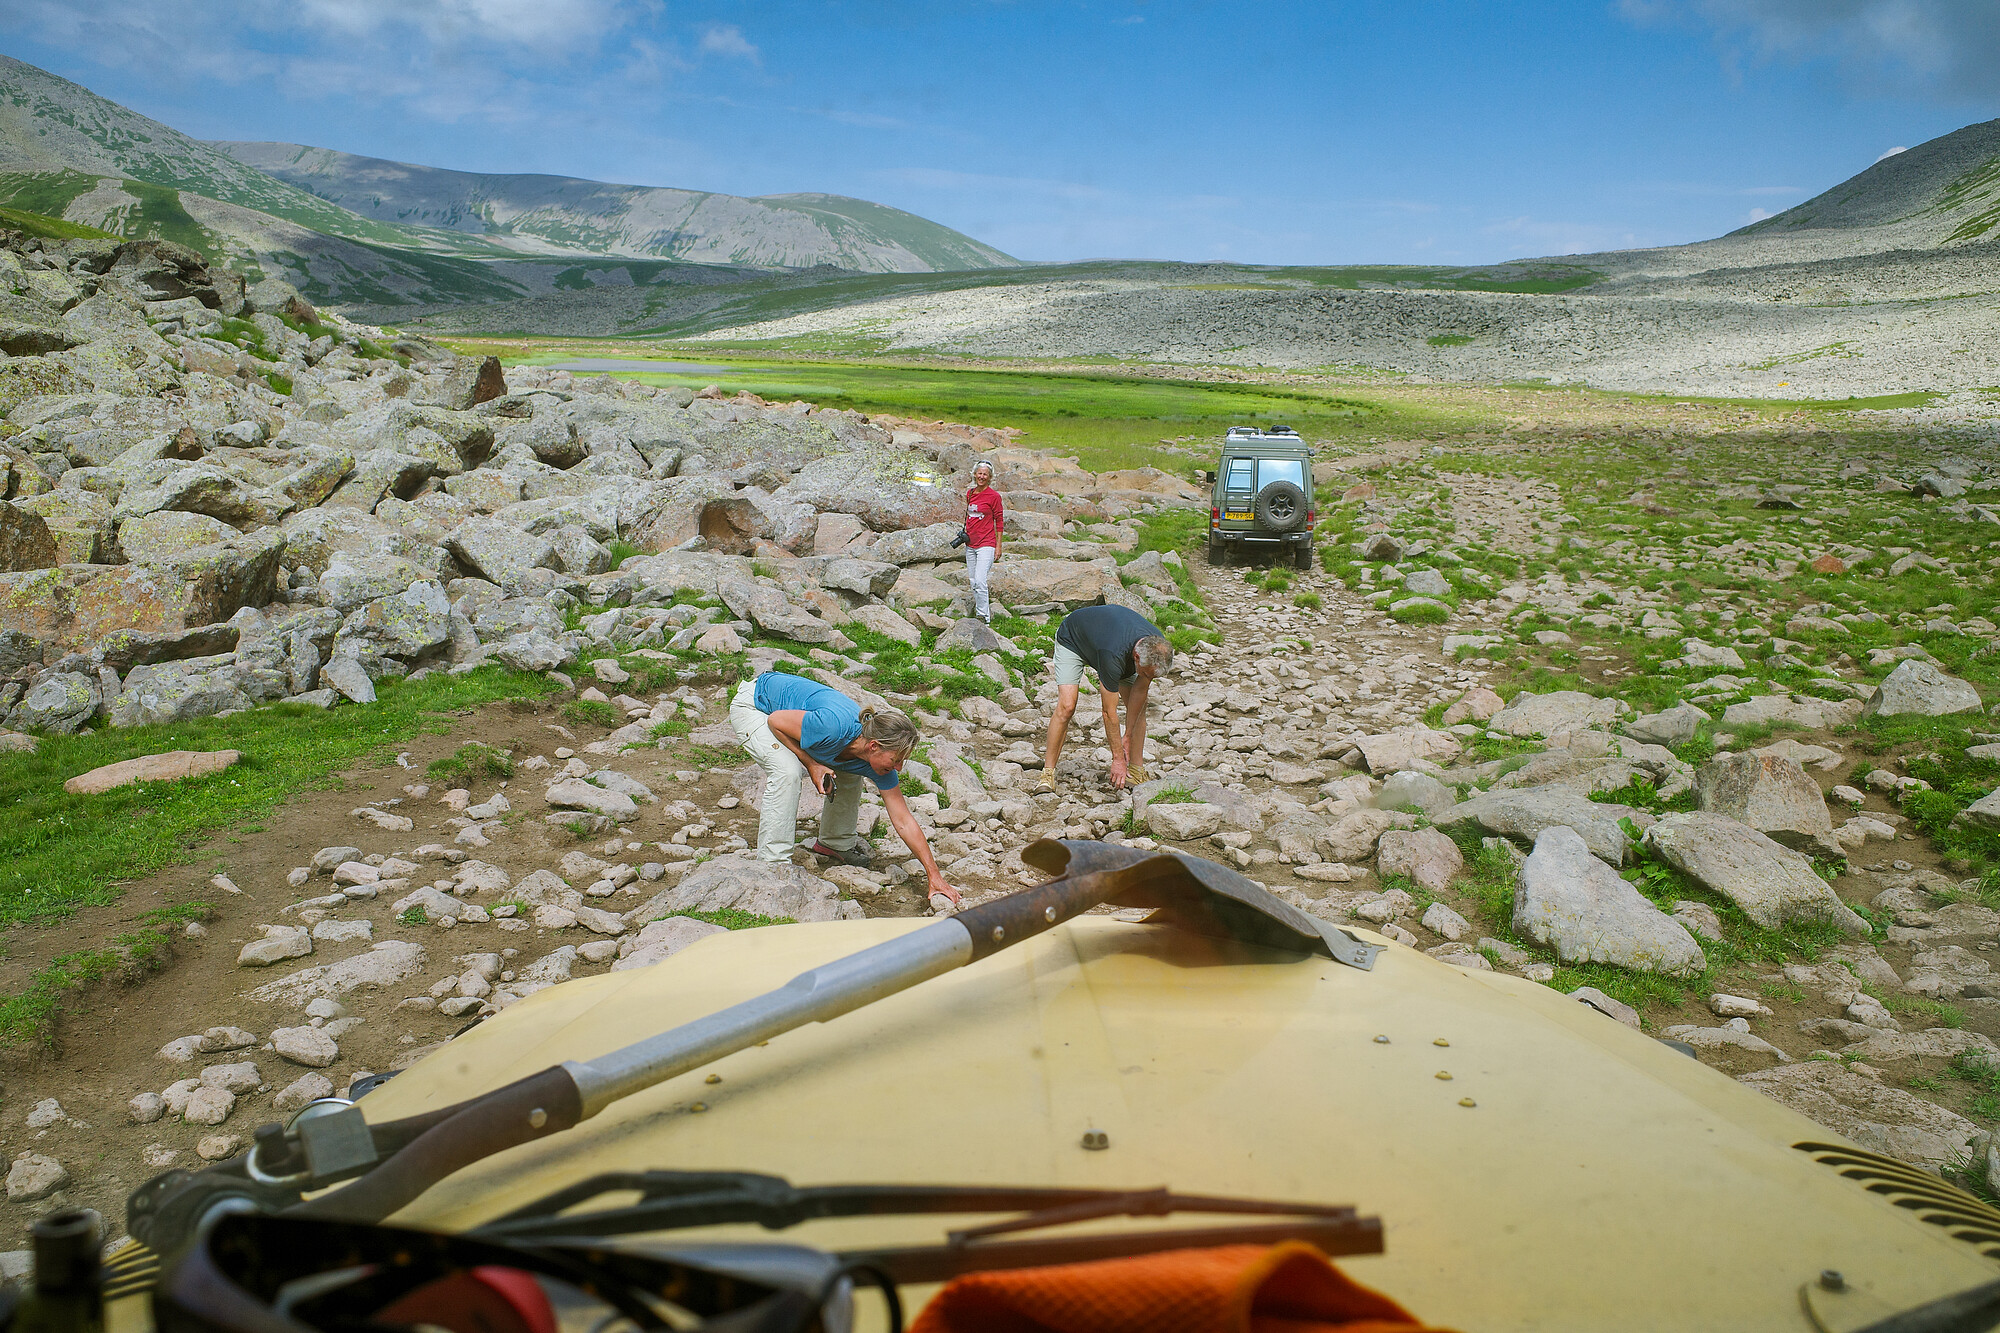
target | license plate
x=1238, y=517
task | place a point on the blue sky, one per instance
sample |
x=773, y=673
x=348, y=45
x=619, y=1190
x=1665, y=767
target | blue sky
x=1336, y=131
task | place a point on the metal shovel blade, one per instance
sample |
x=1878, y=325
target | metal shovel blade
x=1205, y=898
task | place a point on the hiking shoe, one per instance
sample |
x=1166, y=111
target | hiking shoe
x=1046, y=783
x=860, y=856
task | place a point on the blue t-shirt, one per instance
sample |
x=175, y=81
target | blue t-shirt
x=832, y=721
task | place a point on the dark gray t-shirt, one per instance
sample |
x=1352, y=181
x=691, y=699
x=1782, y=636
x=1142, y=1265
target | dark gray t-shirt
x=1103, y=637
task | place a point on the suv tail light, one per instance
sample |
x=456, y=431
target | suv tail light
x=1215, y=516
x=1312, y=517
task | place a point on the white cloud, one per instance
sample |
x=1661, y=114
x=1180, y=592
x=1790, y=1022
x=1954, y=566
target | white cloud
x=1892, y=152
x=1940, y=48
x=1758, y=215
x=726, y=39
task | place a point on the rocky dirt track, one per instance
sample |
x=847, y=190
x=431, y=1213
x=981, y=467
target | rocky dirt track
x=1297, y=750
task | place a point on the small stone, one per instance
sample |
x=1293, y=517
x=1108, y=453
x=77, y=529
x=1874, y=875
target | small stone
x=327, y=859
x=1441, y=920
x=34, y=1176
x=1737, y=1006
x=299, y=876
x=598, y=951
x=209, y=1106
x=145, y=1108
x=218, y=1147
x=310, y=1047
x=306, y=1088
x=239, y=1077
x=181, y=1050
x=1607, y=1006
x=48, y=1112
x=158, y=1156
x=278, y=944
x=220, y=1039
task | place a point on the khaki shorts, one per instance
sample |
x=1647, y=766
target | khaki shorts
x=1070, y=669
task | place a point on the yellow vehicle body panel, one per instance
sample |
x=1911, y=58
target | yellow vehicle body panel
x=1598, y=1180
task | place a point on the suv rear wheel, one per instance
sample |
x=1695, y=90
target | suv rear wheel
x=1281, y=507
x=1304, y=556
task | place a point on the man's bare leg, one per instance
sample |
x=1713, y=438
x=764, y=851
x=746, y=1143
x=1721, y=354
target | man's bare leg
x=1058, y=730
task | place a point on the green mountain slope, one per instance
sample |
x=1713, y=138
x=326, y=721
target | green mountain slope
x=558, y=214
x=326, y=268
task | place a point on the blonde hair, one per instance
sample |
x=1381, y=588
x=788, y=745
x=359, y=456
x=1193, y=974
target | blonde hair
x=890, y=730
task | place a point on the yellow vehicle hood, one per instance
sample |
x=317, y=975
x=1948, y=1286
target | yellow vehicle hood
x=1598, y=1179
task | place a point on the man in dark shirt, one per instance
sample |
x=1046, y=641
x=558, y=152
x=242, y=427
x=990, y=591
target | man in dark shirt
x=1126, y=651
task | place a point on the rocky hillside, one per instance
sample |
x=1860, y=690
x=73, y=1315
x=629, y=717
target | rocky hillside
x=1938, y=193
x=560, y=214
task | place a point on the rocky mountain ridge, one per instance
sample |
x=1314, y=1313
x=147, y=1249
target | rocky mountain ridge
x=564, y=215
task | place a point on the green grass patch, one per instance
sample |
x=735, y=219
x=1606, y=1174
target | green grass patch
x=55, y=229
x=471, y=761
x=1308, y=600
x=735, y=918
x=59, y=852
x=29, y=1019
x=414, y=915
x=1176, y=794
x=1108, y=420
x=1423, y=613
x=593, y=713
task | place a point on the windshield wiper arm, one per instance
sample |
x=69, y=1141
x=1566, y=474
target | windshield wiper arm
x=675, y=1200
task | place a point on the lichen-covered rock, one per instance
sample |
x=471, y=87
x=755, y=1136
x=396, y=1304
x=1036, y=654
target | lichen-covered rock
x=1569, y=899
x=150, y=539
x=1768, y=793
x=25, y=542
x=1773, y=884
x=59, y=703
x=1919, y=687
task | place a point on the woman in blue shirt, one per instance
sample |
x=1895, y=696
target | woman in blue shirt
x=797, y=728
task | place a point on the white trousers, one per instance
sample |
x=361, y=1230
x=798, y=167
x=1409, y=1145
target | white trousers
x=978, y=566
x=784, y=779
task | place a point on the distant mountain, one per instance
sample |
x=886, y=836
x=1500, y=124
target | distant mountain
x=48, y=124
x=1940, y=192
x=561, y=214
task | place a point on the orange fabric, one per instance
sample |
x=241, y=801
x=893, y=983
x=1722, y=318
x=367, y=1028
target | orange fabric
x=1286, y=1288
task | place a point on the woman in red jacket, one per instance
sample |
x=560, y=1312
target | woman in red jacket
x=984, y=515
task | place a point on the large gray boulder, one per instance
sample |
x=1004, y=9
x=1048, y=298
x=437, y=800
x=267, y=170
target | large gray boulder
x=759, y=887
x=1919, y=687
x=1411, y=790
x=913, y=546
x=1768, y=793
x=1523, y=815
x=197, y=687
x=148, y=539
x=1773, y=884
x=1568, y=899
x=60, y=703
x=1551, y=714
x=767, y=608
x=25, y=540
x=352, y=581
x=1675, y=726
x=408, y=625
x=499, y=553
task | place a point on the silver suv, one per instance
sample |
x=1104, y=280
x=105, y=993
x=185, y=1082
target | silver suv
x=1261, y=496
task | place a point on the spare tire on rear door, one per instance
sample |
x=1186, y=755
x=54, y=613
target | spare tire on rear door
x=1281, y=507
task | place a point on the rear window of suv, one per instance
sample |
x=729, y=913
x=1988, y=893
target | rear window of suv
x=1239, y=473
x=1281, y=469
